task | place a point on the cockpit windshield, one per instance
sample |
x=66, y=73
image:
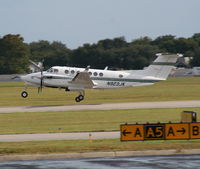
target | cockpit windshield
x=52, y=70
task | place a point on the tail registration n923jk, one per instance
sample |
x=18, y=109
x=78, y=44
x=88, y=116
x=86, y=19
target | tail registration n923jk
x=116, y=83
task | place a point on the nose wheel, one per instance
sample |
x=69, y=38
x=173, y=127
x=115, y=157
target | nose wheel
x=24, y=94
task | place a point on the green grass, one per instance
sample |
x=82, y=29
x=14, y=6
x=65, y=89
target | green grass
x=76, y=121
x=107, y=145
x=172, y=89
x=50, y=122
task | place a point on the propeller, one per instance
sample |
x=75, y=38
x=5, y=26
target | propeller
x=16, y=77
x=41, y=82
x=40, y=67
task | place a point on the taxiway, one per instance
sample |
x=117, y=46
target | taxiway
x=109, y=106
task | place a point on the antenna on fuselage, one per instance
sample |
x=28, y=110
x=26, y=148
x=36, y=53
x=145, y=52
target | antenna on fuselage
x=106, y=68
x=87, y=68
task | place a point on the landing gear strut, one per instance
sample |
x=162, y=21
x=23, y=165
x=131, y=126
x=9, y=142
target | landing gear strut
x=80, y=97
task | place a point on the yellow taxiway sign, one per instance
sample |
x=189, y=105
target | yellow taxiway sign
x=160, y=131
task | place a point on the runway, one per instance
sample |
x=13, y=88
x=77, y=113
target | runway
x=109, y=106
x=85, y=135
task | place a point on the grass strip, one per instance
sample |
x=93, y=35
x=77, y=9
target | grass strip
x=79, y=121
x=171, y=89
x=107, y=145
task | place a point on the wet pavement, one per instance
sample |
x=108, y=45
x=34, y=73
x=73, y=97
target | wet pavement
x=151, y=162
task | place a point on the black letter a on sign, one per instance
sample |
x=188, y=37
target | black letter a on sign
x=137, y=132
x=170, y=132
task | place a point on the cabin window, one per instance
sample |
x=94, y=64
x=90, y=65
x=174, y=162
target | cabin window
x=55, y=70
x=72, y=71
x=95, y=73
x=66, y=71
x=49, y=77
x=90, y=73
x=120, y=76
x=101, y=74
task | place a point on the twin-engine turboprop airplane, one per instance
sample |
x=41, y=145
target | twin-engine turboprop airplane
x=78, y=79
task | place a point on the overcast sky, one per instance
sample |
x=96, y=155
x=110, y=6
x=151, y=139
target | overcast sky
x=75, y=22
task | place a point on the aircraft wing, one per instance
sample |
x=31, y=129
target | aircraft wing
x=82, y=79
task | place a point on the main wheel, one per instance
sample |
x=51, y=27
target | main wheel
x=81, y=97
x=77, y=99
x=24, y=94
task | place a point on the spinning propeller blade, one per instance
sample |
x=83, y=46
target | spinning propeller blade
x=40, y=67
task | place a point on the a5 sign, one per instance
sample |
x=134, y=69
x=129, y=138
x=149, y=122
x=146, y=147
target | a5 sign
x=154, y=132
x=164, y=131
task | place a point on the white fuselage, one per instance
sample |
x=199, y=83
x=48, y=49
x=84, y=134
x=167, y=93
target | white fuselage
x=61, y=77
x=78, y=79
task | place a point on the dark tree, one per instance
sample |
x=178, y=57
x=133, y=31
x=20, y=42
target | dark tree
x=52, y=54
x=13, y=54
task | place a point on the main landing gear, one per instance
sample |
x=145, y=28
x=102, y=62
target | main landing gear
x=80, y=97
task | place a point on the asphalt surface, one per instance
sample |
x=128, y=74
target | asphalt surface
x=109, y=106
x=85, y=135
x=59, y=136
x=113, y=162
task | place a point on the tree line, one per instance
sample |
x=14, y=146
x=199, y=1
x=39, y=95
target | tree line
x=115, y=53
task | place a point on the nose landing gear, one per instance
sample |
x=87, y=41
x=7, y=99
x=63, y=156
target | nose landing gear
x=24, y=94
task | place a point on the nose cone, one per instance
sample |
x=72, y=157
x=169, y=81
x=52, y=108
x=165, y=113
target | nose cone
x=24, y=77
x=32, y=79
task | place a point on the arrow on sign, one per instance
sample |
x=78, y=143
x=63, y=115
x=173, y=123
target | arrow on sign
x=182, y=131
x=126, y=132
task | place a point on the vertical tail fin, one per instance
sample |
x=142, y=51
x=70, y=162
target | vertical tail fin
x=162, y=66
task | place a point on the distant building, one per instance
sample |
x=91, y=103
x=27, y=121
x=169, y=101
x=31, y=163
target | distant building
x=196, y=71
x=35, y=68
x=183, y=62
